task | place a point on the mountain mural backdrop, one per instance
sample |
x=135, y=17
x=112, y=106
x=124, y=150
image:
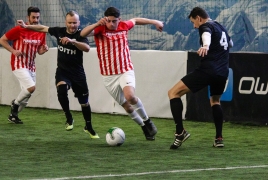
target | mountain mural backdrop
x=246, y=20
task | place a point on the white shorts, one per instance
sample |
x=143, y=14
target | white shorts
x=26, y=77
x=116, y=83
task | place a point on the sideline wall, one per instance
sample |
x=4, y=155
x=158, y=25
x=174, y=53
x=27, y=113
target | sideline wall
x=156, y=72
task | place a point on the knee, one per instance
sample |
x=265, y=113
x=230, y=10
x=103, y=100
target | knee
x=83, y=101
x=169, y=93
x=31, y=89
x=132, y=99
x=172, y=94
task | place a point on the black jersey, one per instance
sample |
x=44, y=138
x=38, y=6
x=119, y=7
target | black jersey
x=70, y=58
x=216, y=62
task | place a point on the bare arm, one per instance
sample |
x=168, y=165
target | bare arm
x=5, y=44
x=89, y=30
x=39, y=28
x=143, y=21
x=80, y=45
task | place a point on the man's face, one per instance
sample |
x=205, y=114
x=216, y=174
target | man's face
x=196, y=22
x=112, y=22
x=72, y=23
x=34, y=18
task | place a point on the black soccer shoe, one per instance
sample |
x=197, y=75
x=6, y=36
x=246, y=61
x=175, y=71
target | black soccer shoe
x=14, y=119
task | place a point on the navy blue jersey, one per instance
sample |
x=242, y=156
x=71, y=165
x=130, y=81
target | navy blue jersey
x=70, y=58
x=216, y=62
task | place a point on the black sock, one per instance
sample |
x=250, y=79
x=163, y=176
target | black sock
x=64, y=101
x=218, y=119
x=176, y=107
x=87, y=116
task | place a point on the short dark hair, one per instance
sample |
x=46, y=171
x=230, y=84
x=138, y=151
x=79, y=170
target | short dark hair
x=112, y=11
x=198, y=11
x=72, y=13
x=33, y=9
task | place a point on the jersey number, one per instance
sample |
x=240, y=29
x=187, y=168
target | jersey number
x=223, y=41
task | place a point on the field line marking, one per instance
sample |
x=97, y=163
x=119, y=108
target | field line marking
x=156, y=172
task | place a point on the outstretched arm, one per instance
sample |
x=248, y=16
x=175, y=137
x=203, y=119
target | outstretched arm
x=39, y=28
x=143, y=21
x=89, y=30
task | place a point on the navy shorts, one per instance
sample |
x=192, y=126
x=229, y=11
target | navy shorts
x=78, y=85
x=198, y=80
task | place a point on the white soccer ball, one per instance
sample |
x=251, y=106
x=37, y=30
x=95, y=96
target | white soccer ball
x=115, y=136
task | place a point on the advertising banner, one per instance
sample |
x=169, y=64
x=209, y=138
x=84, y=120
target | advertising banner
x=245, y=98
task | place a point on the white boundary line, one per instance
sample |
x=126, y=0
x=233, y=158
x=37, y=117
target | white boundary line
x=156, y=172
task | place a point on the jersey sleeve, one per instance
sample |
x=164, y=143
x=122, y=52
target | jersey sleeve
x=13, y=33
x=82, y=39
x=204, y=28
x=129, y=24
x=53, y=31
x=44, y=39
x=98, y=30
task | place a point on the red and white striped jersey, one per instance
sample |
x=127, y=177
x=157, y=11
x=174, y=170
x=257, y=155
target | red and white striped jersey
x=112, y=48
x=28, y=42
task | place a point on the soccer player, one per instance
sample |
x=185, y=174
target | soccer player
x=213, y=71
x=26, y=43
x=70, y=71
x=110, y=34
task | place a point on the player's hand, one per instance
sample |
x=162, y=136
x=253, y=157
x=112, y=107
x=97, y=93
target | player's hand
x=21, y=23
x=159, y=25
x=43, y=49
x=17, y=53
x=202, y=51
x=102, y=21
x=66, y=40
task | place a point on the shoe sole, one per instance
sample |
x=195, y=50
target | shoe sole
x=218, y=145
x=14, y=122
x=69, y=129
x=150, y=138
x=92, y=136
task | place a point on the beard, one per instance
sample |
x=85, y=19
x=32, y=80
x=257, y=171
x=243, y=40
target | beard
x=33, y=23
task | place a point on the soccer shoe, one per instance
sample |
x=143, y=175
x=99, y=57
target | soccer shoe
x=69, y=125
x=92, y=133
x=146, y=133
x=151, y=127
x=14, y=119
x=179, y=139
x=218, y=142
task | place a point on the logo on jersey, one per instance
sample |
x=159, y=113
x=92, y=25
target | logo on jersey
x=66, y=50
x=31, y=41
x=108, y=34
x=228, y=90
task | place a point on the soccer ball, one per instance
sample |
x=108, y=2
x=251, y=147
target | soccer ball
x=115, y=136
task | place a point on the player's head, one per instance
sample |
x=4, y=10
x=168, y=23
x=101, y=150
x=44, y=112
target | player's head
x=72, y=22
x=198, y=16
x=113, y=18
x=33, y=15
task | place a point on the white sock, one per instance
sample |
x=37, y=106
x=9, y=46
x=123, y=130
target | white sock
x=22, y=95
x=23, y=104
x=134, y=116
x=139, y=108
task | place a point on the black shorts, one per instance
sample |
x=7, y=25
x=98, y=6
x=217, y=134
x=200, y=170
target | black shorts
x=78, y=85
x=198, y=80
